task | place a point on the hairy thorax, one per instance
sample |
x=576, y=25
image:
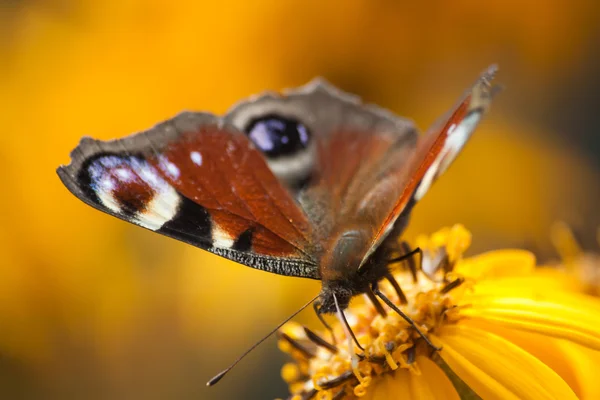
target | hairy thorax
x=341, y=276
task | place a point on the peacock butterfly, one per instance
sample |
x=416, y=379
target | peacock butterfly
x=310, y=183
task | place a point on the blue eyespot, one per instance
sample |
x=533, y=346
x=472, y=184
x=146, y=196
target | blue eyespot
x=277, y=136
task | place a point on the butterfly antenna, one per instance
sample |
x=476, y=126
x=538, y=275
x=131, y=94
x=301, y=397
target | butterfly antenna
x=220, y=375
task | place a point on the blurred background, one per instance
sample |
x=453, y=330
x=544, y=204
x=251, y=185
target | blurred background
x=91, y=307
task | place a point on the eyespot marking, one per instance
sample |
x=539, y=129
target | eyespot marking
x=124, y=174
x=287, y=146
x=277, y=136
x=131, y=186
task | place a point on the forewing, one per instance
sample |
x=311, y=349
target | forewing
x=435, y=152
x=351, y=147
x=199, y=180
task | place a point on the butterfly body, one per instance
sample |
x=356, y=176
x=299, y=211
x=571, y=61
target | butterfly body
x=312, y=183
x=340, y=274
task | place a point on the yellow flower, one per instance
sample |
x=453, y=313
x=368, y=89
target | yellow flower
x=505, y=332
x=583, y=267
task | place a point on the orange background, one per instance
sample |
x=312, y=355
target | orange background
x=91, y=307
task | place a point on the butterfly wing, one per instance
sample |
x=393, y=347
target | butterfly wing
x=267, y=184
x=435, y=152
x=364, y=167
x=350, y=147
x=201, y=181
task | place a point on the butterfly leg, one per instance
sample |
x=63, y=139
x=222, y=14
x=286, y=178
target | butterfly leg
x=408, y=255
x=337, y=381
x=397, y=288
x=390, y=304
x=319, y=341
x=411, y=355
x=331, y=384
x=452, y=285
x=376, y=302
x=317, y=308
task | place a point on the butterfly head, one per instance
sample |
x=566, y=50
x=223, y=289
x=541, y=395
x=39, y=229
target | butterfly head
x=340, y=271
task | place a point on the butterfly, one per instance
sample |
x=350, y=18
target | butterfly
x=310, y=183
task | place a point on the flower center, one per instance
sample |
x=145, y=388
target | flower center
x=323, y=363
x=329, y=366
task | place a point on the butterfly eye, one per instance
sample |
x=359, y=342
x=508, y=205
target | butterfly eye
x=277, y=136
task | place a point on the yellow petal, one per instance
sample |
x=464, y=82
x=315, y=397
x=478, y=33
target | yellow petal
x=422, y=386
x=584, y=363
x=558, y=278
x=559, y=320
x=547, y=350
x=497, y=264
x=481, y=383
x=394, y=386
x=544, y=283
x=431, y=384
x=496, y=368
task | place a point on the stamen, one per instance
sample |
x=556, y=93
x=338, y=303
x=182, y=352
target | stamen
x=319, y=341
x=357, y=373
x=390, y=345
x=388, y=357
x=360, y=390
x=406, y=317
x=401, y=349
x=411, y=355
x=291, y=373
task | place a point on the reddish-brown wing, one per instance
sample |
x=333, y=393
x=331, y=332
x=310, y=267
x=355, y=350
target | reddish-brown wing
x=200, y=181
x=233, y=182
x=351, y=147
x=328, y=163
x=436, y=151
